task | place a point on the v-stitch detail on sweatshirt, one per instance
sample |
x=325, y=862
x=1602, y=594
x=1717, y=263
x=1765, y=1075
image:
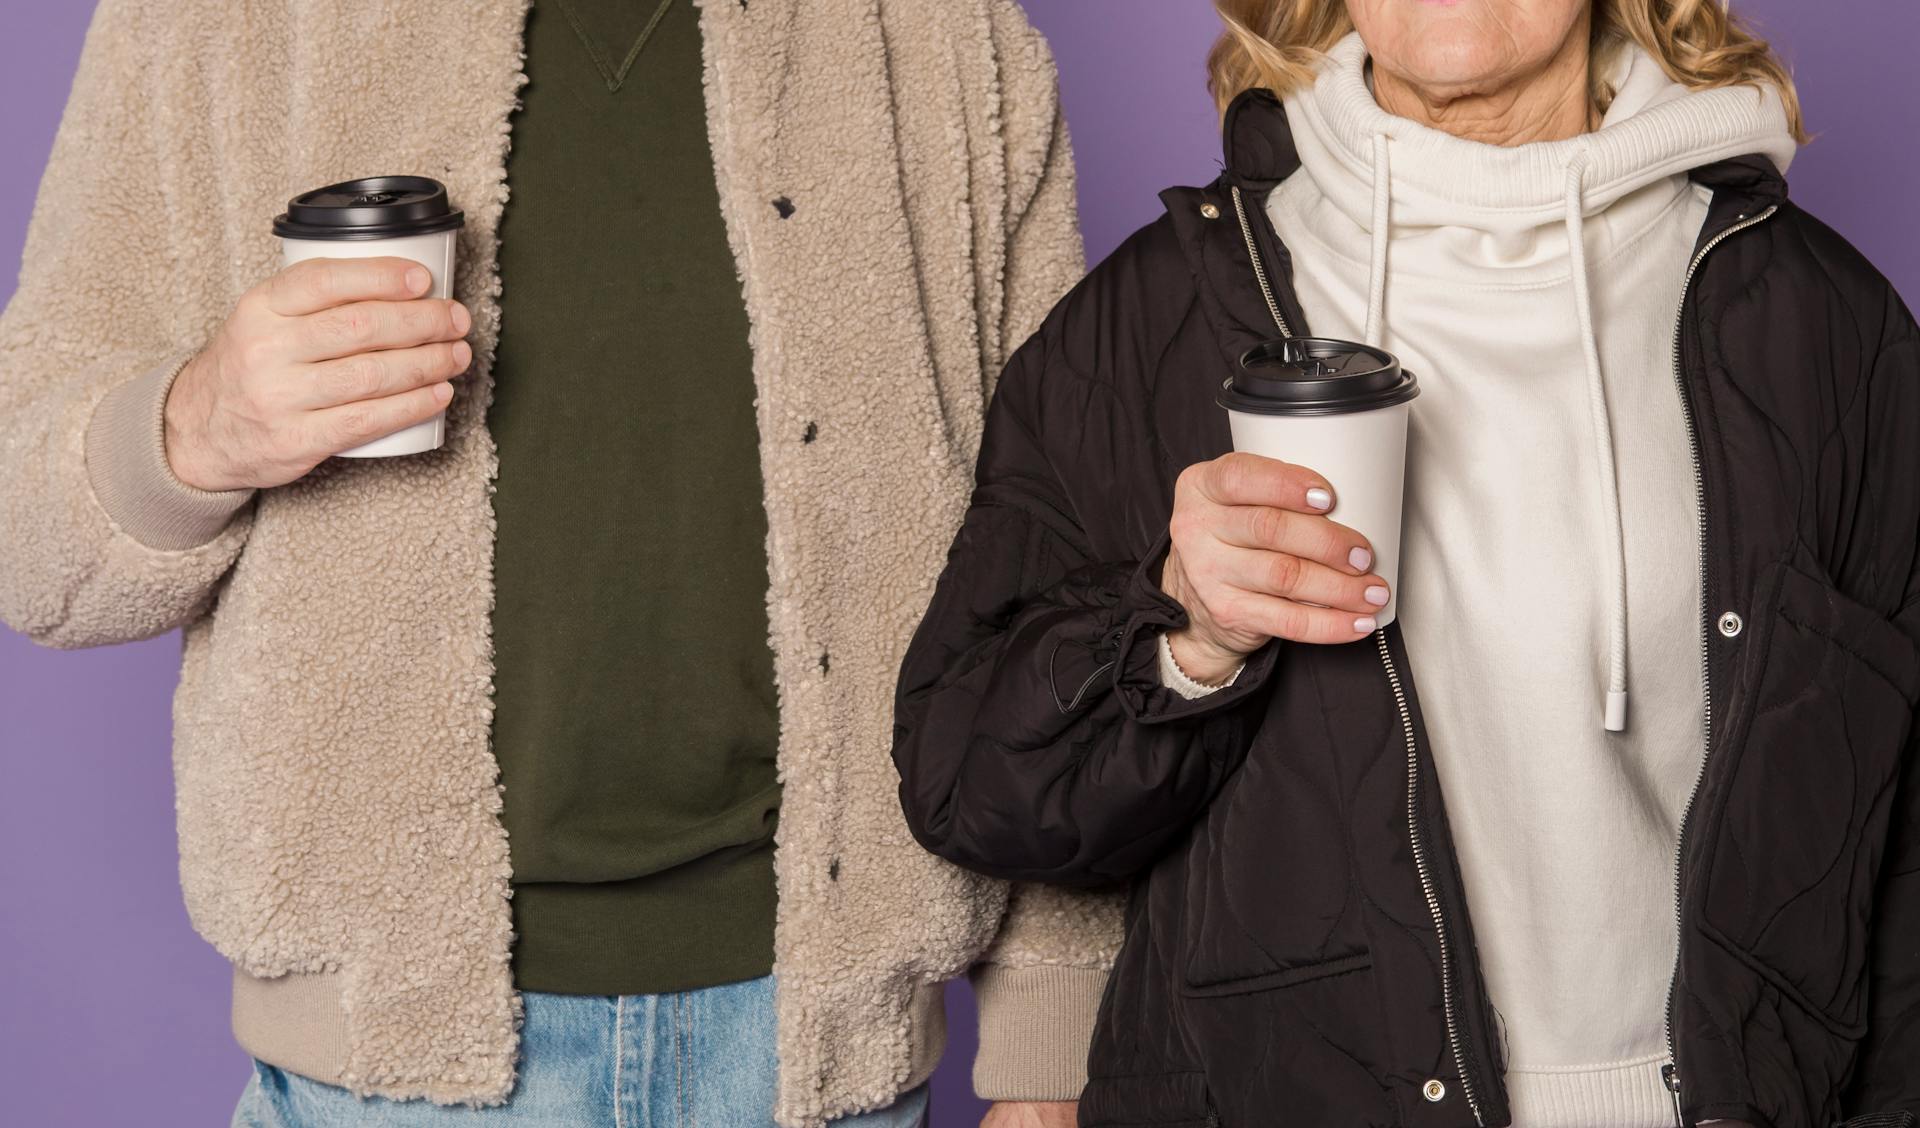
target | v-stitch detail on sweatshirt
x=614, y=78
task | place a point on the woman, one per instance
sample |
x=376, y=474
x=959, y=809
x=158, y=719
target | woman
x=1428, y=874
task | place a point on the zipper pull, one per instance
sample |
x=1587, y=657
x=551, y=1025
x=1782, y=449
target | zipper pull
x=1670, y=1074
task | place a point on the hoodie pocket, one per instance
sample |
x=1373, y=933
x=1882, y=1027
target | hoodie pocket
x=1803, y=824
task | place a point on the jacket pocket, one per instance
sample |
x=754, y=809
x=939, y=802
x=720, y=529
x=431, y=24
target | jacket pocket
x=1804, y=820
x=1269, y=894
x=1156, y=1100
x=1285, y=977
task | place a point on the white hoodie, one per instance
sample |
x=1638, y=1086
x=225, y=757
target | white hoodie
x=1550, y=492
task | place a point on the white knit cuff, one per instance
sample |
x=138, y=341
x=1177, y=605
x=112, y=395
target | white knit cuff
x=1176, y=679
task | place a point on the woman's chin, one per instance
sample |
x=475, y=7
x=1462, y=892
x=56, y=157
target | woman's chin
x=1455, y=48
x=1442, y=72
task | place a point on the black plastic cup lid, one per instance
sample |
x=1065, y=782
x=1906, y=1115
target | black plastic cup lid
x=1315, y=376
x=376, y=207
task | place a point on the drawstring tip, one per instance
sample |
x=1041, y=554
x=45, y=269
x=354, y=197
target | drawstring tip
x=1616, y=710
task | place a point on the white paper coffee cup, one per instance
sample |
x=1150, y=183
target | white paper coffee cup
x=399, y=216
x=1339, y=409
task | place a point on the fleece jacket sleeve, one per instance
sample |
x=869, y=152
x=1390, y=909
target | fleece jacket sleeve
x=99, y=542
x=1039, y=986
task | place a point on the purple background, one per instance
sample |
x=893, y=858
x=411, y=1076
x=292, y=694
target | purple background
x=113, y=1012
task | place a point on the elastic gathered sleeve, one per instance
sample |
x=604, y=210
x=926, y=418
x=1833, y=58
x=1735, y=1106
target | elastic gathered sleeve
x=99, y=542
x=1034, y=738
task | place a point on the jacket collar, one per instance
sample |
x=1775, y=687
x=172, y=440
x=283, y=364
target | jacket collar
x=1751, y=177
x=1257, y=142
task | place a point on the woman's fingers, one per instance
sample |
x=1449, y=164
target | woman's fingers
x=1250, y=479
x=374, y=375
x=1270, y=616
x=1259, y=559
x=1311, y=537
x=1301, y=580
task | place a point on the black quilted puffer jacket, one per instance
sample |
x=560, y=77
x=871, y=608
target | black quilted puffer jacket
x=1298, y=947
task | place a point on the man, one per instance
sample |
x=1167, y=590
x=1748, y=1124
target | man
x=533, y=664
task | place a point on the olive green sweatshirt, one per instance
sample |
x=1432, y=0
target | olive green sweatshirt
x=636, y=723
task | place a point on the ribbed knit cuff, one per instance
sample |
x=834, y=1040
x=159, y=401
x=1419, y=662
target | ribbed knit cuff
x=127, y=466
x=1036, y=1024
x=1176, y=679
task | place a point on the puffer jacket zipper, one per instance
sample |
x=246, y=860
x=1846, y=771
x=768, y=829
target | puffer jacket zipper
x=1420, y=862
x=1259, y=264
x=1455, y=1039
x=1670, y=1072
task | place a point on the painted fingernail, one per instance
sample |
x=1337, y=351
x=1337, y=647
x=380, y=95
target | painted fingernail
x=1363, y=625
x=1361, y=559
x=418, y=280
x=1319, y=498
x=1377, y=595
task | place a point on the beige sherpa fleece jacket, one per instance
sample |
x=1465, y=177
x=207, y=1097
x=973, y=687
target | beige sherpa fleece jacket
x=337, y=797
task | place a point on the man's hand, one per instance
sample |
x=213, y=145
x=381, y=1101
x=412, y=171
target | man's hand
x=324, y=356
x=1031, y=1114
x=1255, y=557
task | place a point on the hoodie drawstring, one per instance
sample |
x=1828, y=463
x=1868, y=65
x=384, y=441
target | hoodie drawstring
x=1377, y=259
x=1616, y=717
x=1601, y=423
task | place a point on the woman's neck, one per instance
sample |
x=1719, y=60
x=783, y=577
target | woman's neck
x=1550, y=103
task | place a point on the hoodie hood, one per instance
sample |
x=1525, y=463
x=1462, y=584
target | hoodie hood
x=1654, y=129
x=1441, y=207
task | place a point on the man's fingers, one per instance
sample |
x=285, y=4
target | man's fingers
x=338, y=428
x=360, y=327
x=374, y=375
x=1303, y=581
x=1250, y=479
x=322, y=283
x=1318, y=539
x=1272, y=617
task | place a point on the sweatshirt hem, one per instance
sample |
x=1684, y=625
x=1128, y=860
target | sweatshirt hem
x=1629, y=1095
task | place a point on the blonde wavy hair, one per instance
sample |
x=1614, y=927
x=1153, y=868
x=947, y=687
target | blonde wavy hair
x=1278, y=44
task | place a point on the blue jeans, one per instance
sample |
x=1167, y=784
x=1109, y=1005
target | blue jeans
x=696, y=1059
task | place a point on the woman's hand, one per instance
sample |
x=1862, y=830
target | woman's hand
x=1254, y=558
x=323, y=356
